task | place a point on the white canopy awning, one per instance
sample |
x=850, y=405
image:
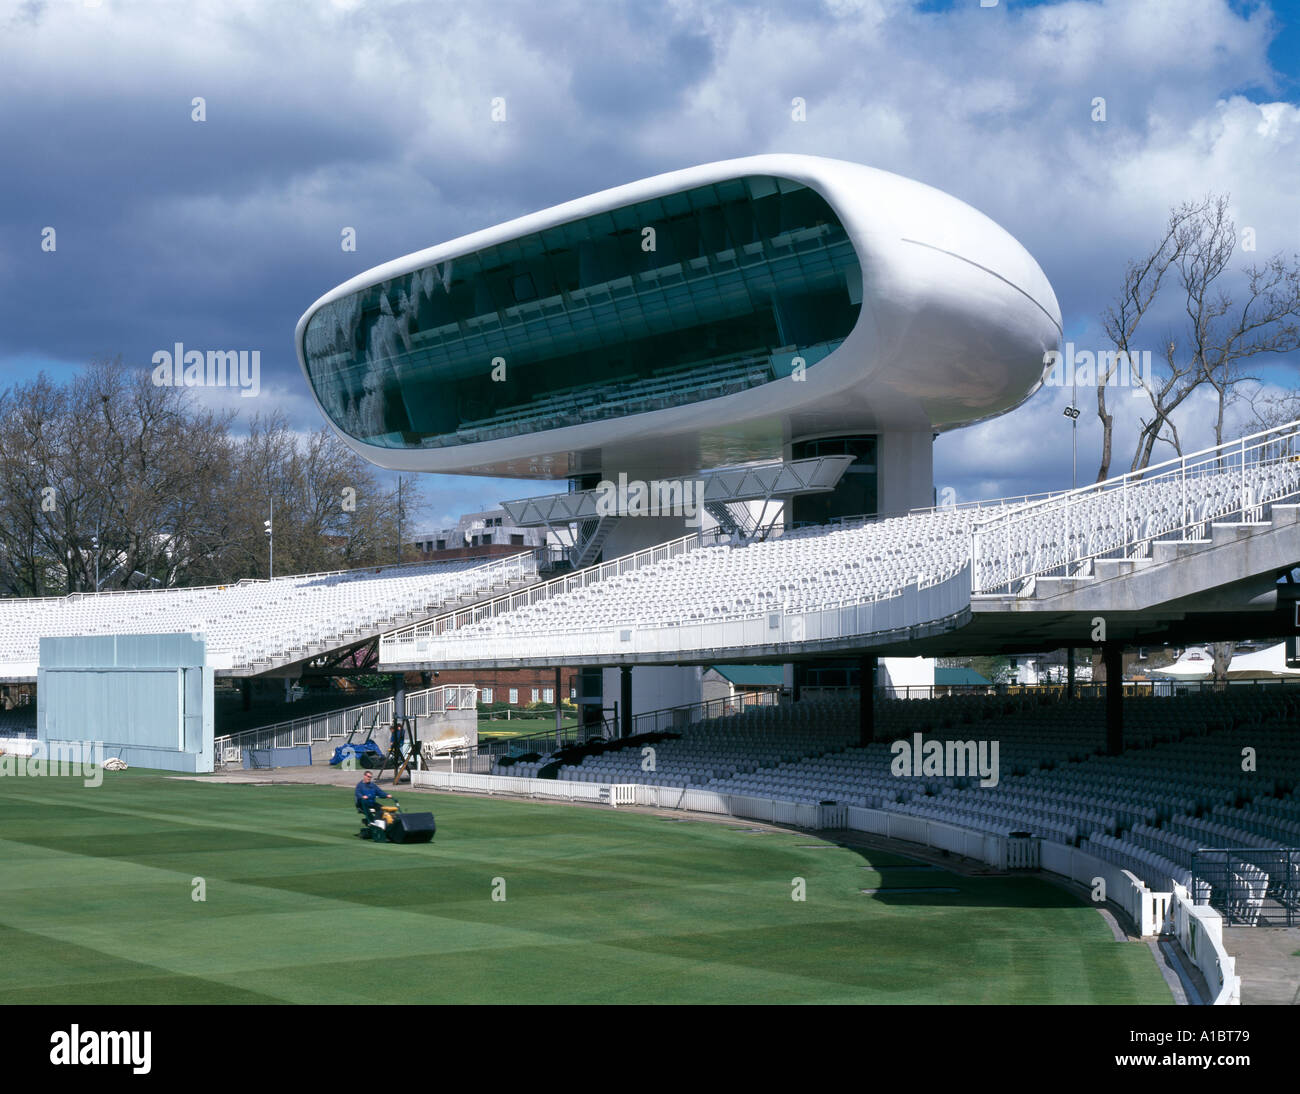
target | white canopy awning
x=1262, y=665
x=1269, y=664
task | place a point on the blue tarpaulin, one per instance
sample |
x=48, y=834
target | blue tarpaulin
x=344, y=751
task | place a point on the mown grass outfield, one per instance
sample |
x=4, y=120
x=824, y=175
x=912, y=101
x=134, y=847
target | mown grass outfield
x=601, y=907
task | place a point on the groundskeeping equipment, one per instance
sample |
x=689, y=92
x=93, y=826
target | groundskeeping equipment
x=393, y=826
x=411, y=828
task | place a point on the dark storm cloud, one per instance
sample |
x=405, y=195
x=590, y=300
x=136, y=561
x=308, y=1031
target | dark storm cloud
x=224, y=231
x=377, y=117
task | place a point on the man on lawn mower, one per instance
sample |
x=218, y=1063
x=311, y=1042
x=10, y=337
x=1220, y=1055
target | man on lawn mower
x=367, y=791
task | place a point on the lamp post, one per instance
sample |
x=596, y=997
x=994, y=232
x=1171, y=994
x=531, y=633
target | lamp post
x=399, y=519
x=270, y=541
x=1072, y=412
x=94, y=546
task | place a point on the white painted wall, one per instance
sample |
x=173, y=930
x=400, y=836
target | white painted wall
x=907, y=672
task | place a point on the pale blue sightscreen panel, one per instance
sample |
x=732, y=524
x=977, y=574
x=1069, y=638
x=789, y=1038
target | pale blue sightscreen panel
x=193, y=712
x=145, y=691
x=121, y=708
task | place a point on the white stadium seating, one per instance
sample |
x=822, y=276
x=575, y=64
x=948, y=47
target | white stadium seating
x=719, y=591
x=253, y=624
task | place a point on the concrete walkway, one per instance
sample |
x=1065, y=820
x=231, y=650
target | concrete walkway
x=1267, y=963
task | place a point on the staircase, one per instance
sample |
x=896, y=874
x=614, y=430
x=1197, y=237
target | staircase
x=591, y=539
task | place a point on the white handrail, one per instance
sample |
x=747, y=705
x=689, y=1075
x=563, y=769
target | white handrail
x=1067, y=496
x=1068, y=547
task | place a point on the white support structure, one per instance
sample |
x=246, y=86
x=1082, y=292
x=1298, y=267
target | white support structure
x=727, y=485
x=1199, y=931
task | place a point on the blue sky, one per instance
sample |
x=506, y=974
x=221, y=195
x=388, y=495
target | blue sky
x=376, y=116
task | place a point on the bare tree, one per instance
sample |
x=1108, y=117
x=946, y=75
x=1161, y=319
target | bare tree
x=111, y=478
x=1272, y=409
x=1221, y=654
x=159, y=462
x=1143, y=280
x=27, y=485
x=331, y=511
x=1219, y=334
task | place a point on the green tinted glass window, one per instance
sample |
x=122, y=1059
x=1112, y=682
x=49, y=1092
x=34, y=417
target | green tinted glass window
x=595, y=319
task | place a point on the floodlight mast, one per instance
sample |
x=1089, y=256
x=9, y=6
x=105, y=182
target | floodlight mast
x=1072, y=412
x=270, y=542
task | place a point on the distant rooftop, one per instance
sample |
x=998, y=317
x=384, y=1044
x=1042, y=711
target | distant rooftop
x=752, y=676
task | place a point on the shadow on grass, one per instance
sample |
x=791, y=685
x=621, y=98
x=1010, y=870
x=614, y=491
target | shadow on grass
x=925, y=887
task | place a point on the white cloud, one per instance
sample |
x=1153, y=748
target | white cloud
x=377, y=116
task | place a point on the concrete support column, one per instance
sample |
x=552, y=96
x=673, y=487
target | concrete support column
x=1069, y=673
x=625, y=700
x=905, y=471
x=399, y=698
x=246, y=693
x=867, y=698
x=1112, y=654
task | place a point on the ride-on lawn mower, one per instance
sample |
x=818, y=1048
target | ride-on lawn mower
x=390, y=825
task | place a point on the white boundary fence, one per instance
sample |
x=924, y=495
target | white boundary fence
x=1148, y=910
x=1199, y=929
x=616, y=794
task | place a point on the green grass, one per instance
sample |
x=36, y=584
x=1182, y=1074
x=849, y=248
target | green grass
x=601, y=907
x=501, y=729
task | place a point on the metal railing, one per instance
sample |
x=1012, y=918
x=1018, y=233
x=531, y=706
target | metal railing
x=675, y=719
x=1249, y=886
x=1235, y=481
x=311, y=728
x=984, y=503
